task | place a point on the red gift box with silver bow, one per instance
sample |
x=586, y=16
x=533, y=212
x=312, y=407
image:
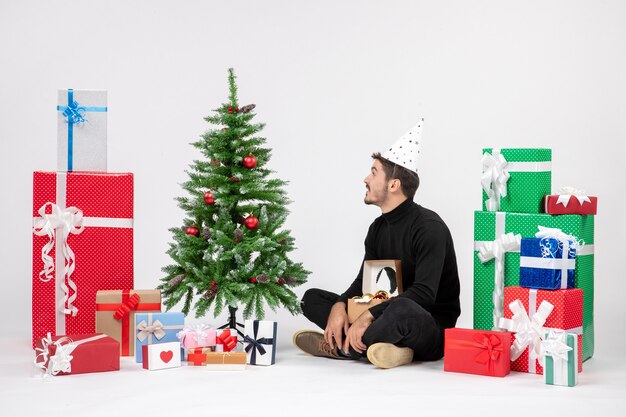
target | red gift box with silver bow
x=479, y=352
x=570, y=200
x=77, y=354
x=530, y=313
x=82, y=243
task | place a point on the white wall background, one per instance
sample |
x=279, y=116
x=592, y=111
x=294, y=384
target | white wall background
x=334, y=81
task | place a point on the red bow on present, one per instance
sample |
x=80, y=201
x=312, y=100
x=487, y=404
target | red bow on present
x=197, y=357
x=490, y=347
x=227, y=340
x=126, y=306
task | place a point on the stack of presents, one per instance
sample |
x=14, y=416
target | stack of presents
x=85, y=312
x=533, y=274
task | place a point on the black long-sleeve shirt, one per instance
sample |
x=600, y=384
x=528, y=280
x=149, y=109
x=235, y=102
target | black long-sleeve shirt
x=421, y=240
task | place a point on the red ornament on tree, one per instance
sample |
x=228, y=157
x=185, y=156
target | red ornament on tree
x=237, y=109
x=230, y=110
x=208, y=198
x=213, y=283
x=192, y=230
x=280, y=281
x=234, y=179
x=253, y=280
x=249, y=161
x=251, y=222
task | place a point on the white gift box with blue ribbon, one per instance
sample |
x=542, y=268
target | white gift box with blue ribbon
x=259, y=342
x=548, y=261
x=82, y=130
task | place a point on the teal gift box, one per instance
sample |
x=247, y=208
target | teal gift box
x=516, y=180
x=491, y=225
x=154, y=328
x=560, y=352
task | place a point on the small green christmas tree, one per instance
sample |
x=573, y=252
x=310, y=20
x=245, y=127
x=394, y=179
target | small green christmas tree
x=231, y=250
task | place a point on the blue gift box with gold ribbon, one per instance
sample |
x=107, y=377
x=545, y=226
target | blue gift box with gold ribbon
x=154, y=328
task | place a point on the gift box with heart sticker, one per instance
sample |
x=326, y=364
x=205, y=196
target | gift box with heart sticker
x=161, y=356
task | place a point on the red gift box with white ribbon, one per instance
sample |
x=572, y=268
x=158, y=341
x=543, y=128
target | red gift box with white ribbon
x=77, y=354
x=82, y=243
x=530, y=313
x=570, y=200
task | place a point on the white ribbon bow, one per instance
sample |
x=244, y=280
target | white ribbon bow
x=555, y=346
x=528, y=332
x=565, y=193
x=68, y=220
x=494, y=178
x=496, y=249
x=566, y=242
x=61, y=361
x=144, y=330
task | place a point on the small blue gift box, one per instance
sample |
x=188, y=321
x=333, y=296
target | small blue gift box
x=260, y=341
x=155, y=328
x=547, y=264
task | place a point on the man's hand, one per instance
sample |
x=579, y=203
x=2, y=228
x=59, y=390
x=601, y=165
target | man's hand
x=337, y=324
x=355, y=333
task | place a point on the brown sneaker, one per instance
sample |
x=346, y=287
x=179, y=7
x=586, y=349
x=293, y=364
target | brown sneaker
x=313, y=343
x=388, y=355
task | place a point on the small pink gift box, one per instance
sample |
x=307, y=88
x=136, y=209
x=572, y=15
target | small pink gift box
x=192, y=337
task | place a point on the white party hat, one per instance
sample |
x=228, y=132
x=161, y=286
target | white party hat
x=406, y=151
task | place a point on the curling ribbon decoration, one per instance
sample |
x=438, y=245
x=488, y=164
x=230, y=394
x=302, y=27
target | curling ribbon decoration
x=60, y=221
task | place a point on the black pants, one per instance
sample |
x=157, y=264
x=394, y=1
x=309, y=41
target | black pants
x=403, y=323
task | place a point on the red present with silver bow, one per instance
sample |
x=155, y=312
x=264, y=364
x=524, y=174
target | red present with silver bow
x=479, y=352
x=531, y=313
x=82, y=243
x=77, y=354
x=570, y=200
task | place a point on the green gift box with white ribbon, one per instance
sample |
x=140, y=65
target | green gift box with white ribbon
x=495, y=235
x=560, y=351
x=516, y=180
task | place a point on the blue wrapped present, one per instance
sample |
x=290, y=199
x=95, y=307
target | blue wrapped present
x=154, y=328
x=547, y=263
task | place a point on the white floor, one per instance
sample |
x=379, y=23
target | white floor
x=299, y=385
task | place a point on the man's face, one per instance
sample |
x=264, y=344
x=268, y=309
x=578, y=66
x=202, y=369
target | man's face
x=376, y=184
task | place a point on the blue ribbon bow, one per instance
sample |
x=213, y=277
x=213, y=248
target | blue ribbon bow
x=256, y=344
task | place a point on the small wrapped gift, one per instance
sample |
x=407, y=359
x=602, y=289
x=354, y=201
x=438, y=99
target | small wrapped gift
x=225, y=340
x=570, y=200
x=548, y=261
x=560, y=353
x=358, y=305
x=225, y=361
x=260, y=341
x=161, y=356
x=77, y=354
x=151, y=328
x=82, y=130
x=530, y=313
x=198, y=356
x=82, y=243
x=115, y=314
x=516, y=180
x=201, y=335
x=479, y=352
